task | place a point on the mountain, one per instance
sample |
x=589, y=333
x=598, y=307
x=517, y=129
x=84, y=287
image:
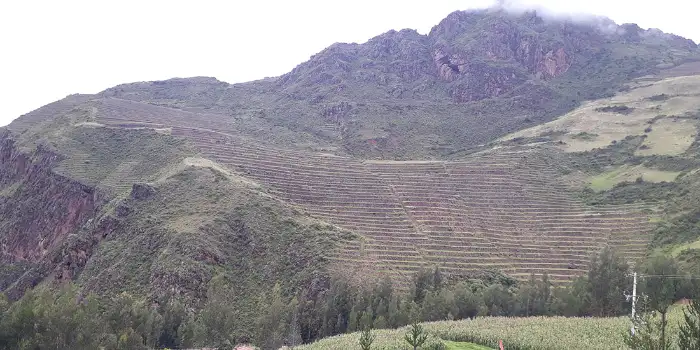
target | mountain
x=498, y=141
x=476, y=76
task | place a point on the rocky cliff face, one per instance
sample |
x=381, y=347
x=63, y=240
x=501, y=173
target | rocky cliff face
x=39, y=209
x=35, y=227
x=491, y=53
x=501, y=38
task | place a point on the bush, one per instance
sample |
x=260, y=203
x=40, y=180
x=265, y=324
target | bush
x=620, y=109
x=660, y=97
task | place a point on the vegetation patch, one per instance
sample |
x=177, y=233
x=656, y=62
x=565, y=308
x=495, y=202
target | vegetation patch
x=585, y=136
x=680, y=229
x=615, y=109
x=659, y=97
x=633, y=192
x=669, y=136
x=109, y=158
x=626, y=173
x=683, y=247
x=10, y=272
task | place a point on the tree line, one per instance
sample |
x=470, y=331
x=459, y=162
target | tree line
x=46, y=318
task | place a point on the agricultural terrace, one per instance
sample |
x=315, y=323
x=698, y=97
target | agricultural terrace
x=502, y=209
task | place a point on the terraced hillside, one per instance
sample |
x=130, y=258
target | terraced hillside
x=641, y=146
x=395, y=139
x=503, y=209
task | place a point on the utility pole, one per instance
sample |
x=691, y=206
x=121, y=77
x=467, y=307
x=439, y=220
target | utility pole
x=634, y=293
x=634, y=298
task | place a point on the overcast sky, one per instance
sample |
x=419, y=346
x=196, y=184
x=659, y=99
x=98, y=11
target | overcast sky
x=49, y=49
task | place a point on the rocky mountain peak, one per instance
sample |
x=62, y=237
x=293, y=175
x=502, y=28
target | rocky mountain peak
x=405, y=43
x=455, y=23
x=473, y=54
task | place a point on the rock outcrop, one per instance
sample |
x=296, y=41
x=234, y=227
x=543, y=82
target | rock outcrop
x=142, y=191
x=503, y=56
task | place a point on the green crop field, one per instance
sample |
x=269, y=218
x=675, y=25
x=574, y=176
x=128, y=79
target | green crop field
x=517, y=333
x=453, y=345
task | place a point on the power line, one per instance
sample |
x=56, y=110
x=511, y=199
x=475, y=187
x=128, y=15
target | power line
x=688, y=277
x=640, y=275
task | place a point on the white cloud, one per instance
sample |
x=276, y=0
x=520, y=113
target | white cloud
x=51, y=49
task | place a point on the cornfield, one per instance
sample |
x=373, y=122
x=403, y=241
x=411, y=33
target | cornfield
x=385, y=340
x=517, y=333
x=532, y=333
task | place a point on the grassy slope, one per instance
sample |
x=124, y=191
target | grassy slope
x=201, y=221
x=533, y=333
x=651, y=111
x=107, y=158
